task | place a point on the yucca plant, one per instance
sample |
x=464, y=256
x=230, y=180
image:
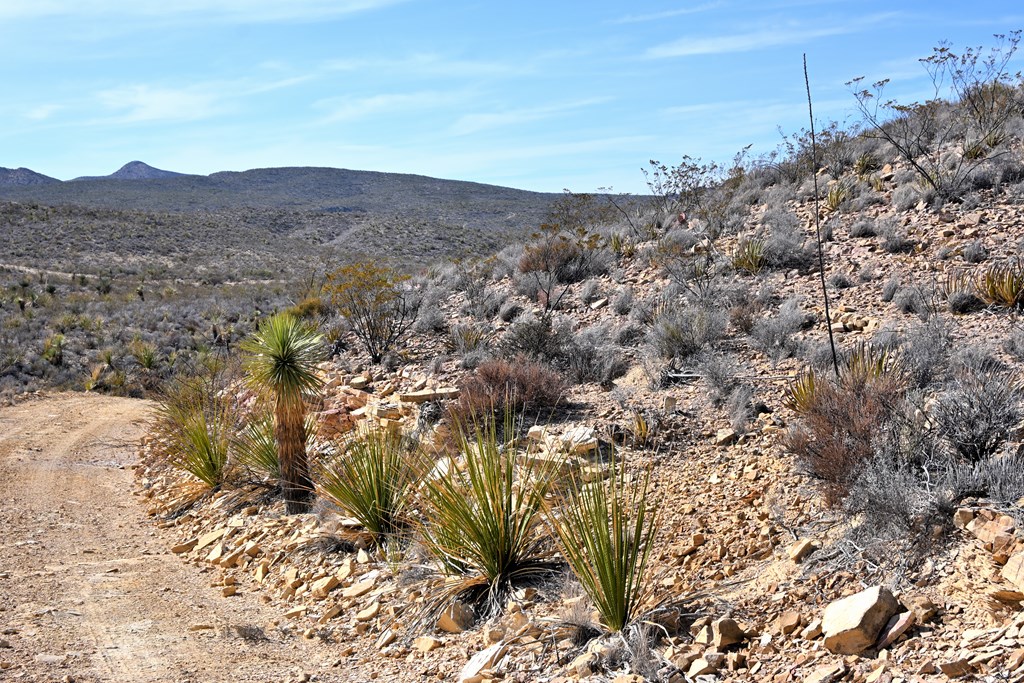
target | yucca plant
x=482, y=521
x=606, y=531
x=53, y=349
x=837, y=194
x=749, y=255
x=869, y=363
x=197, y=420
x=281, y=361
x=371, y=479
x=865, y=164
x=1002, y=284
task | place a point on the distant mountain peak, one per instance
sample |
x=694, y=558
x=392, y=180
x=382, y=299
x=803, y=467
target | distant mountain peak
x=135, y=170
x=23, y=176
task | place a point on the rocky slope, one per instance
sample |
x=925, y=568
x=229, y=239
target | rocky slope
x=771, y=582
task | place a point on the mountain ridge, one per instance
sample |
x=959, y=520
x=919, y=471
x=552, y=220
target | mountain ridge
x=134, y=170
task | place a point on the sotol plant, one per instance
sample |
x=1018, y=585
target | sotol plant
x=483, y=521
x=371, y=479
x=606, y=532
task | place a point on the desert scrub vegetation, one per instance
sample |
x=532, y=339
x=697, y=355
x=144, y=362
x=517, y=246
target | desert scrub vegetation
x=840, y=415
x=503, y=388
x=196, y=421
x=116, y=342
x=375, y=302
x=948, y=139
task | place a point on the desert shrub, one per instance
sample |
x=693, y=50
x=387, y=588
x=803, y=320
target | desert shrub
x=372, y=298
x=890, y=288
x=698, y=191
x=629, y=334
x=740, y=407
x=682, y=331
x=541, y=339
x=841, y=281
x=718, y=370
x=485, y=304
x=1014, y=344
x=888, y=497
x=502, y=387
x=926, y=350
x=482, y=521
x=912, y=300
x=944, y=142
x=864, y=227
x=310, y=308
x=894, y=240
x=371, y=479
x=786, y=248
x=998, y=478
x=590, y=291
x=430, y=318
x=841, y=416
x=509, y=311
x=606, y=531
x=774, y=334
x=975, y=252
x=565, y=251
x=623, y=301
x=590, y=358
x=689, y=260
x=906, y=197
x=977, y=411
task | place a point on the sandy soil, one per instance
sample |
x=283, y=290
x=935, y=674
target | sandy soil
x=88, y=588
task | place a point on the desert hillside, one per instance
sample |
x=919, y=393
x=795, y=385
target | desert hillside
x=765, y=423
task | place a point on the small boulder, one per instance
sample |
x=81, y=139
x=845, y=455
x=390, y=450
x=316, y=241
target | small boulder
x=851, y=625
x=726, y=632
x=456, y=619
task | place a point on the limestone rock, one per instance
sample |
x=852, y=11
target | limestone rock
x=725, y=632
x=456, y=619
x=1013, y=571
x=827, y=673
x=426, y=643
x=851, y=625
x=896, y=627
x=726, y=437
x=484, y=659
x=801, y=549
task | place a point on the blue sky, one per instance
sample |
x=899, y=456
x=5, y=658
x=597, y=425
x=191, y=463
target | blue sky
x=536, y=95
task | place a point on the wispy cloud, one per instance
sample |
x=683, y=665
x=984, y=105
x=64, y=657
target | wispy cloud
x=776, y=36
x=241, y=11
x=434, y=65
x=42, y=112
x=144, y=103
x=350, y=109
x=667, y=14
x=474, y=123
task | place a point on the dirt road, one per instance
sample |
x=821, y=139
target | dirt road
x=88, y=588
